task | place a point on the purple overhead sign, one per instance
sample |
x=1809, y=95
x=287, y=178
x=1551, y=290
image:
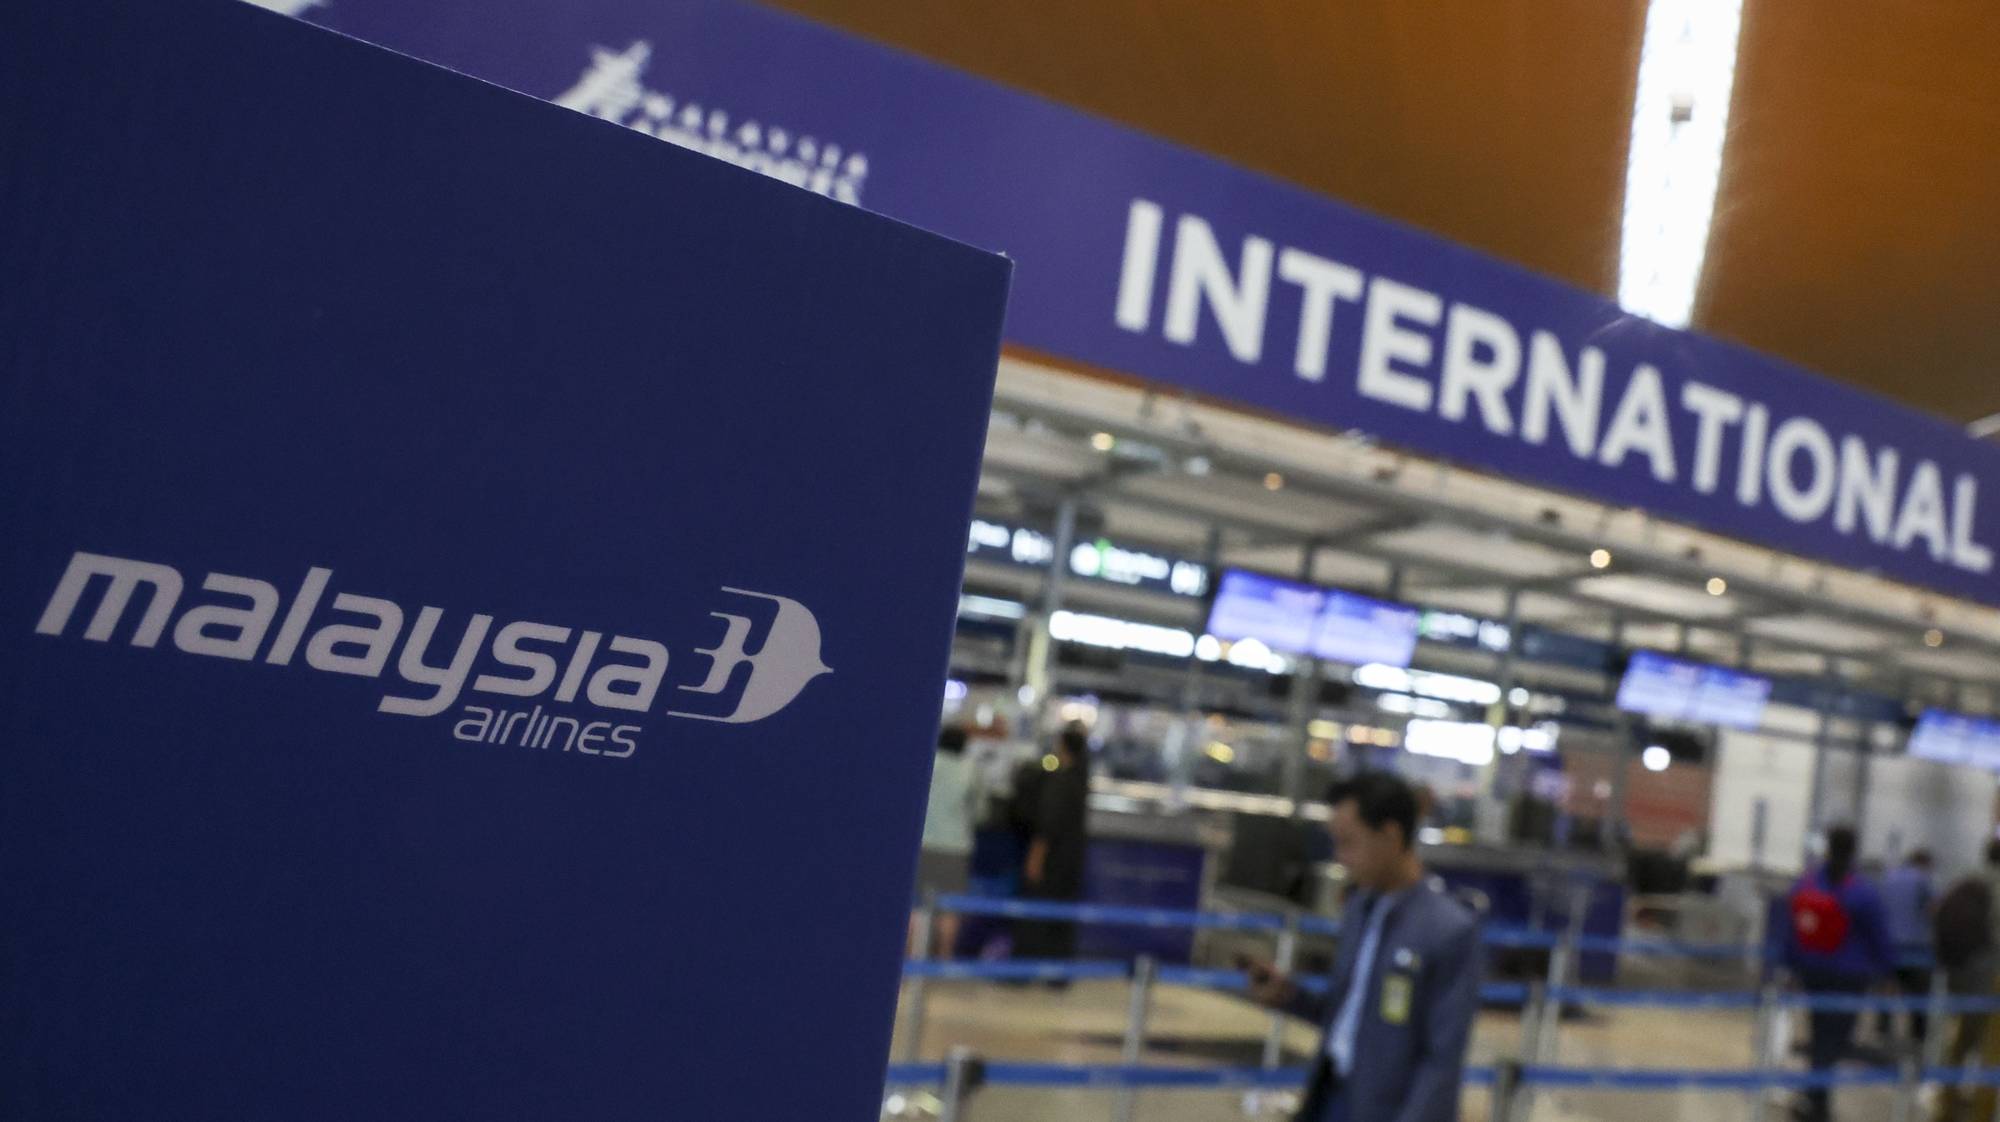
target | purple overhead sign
x=1142, y=256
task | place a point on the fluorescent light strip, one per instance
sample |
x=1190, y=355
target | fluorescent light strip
x=988, y=607
x=1120, y=634
x=1680, y=113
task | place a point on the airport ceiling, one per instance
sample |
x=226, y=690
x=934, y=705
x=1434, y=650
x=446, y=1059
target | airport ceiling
x=1855, y=229
x=1164, y=475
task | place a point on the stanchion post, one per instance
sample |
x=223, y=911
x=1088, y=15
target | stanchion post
x=913, y=1028
x=1287, y=957
x=1934, y=1039
x=1285, y=960
x=1506, y=1086
x=1562, y=964
x=1544, y=1013
x=1761, y=1057
x=1908, y=1080
x=1970, y=1076
x=1518, y=1102
x=963, y=1073
x=1941, y=1029
x=1137, y=1009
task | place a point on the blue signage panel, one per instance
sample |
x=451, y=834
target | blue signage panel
x=1306, y=619
x=416, y=701
x=1659, y=686
x=1955, y=738
x=1140, y=256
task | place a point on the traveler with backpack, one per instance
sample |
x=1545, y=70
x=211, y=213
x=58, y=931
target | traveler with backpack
x=1910, y=900
x=1838, y=944
x=1968, y=916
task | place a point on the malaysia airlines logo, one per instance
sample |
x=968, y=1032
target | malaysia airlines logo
x=611, y=88
x=779, y=671
x=585, y=686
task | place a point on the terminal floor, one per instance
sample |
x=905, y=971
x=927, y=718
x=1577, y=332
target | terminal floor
x=1085, y=1023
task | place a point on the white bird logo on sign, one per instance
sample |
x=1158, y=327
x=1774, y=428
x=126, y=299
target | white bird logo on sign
x=779, y=671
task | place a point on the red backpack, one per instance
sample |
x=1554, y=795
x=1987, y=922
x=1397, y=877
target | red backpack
x=1819, y=920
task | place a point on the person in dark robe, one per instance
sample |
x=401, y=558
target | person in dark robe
x=1057, y=842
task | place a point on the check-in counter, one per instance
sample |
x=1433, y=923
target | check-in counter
x=1533, y=886
x=1154, y=847
x=1145, y=855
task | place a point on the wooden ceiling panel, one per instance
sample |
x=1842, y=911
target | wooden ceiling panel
x=1857, y=227
x=1499, y=126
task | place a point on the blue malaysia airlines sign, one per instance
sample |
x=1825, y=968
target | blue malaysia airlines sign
x=417, y=700
x=1139, y=256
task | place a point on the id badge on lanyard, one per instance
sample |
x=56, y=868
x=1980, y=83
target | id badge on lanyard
x=1399, y=988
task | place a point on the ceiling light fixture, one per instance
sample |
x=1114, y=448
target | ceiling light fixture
x=1680, y=112
x=1600, y=558
x=1717, y=586
x=1273, y=481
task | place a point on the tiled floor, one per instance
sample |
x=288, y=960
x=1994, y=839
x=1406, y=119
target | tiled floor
x=1084, y=1025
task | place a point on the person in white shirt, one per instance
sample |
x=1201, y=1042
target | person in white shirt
x=943, y=867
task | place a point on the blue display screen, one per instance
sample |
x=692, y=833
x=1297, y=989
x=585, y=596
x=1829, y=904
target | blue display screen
x=1301, y=618
x=1954, y=738
x=1659, y=686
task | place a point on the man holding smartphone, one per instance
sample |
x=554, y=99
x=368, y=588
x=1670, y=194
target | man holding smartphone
x=1405, y=983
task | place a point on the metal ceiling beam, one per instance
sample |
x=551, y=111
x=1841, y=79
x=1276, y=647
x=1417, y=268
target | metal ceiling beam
x=1473, y=576
x=1384, y=495
x=1365, y=531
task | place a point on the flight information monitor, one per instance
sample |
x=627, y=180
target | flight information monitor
x=1954, y=738
x=1299, y=618
x=1659, y=686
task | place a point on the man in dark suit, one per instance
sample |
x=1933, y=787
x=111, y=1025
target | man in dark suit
x=1405, y=984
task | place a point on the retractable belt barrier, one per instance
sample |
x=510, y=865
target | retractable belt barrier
x=1110, y=1076
x=1509, y=937
x=1117, y=915
x=1195, y=977
x=1493, y=993
x=1968, y=1005
x=1543, y=1004
x=1021, y=970
x=1513, y=938
x=1107, y=1076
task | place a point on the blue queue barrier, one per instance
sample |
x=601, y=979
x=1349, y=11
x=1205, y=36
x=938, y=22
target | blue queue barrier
x=1508, y=937
x=1114, y=1076
x=1195, y=977
x=1955, y=1006
x=1494, y=936
x=1602, y=997
x=1119, y=1076
x=1492, y=993
x=1108, y=914
x=1601, y=944
x=1018, y=970
x=1127, y=1078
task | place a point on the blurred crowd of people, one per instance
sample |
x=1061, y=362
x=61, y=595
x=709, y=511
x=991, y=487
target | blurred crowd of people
x=1009, y=817
x=1014, y=820
x=1846, y=932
